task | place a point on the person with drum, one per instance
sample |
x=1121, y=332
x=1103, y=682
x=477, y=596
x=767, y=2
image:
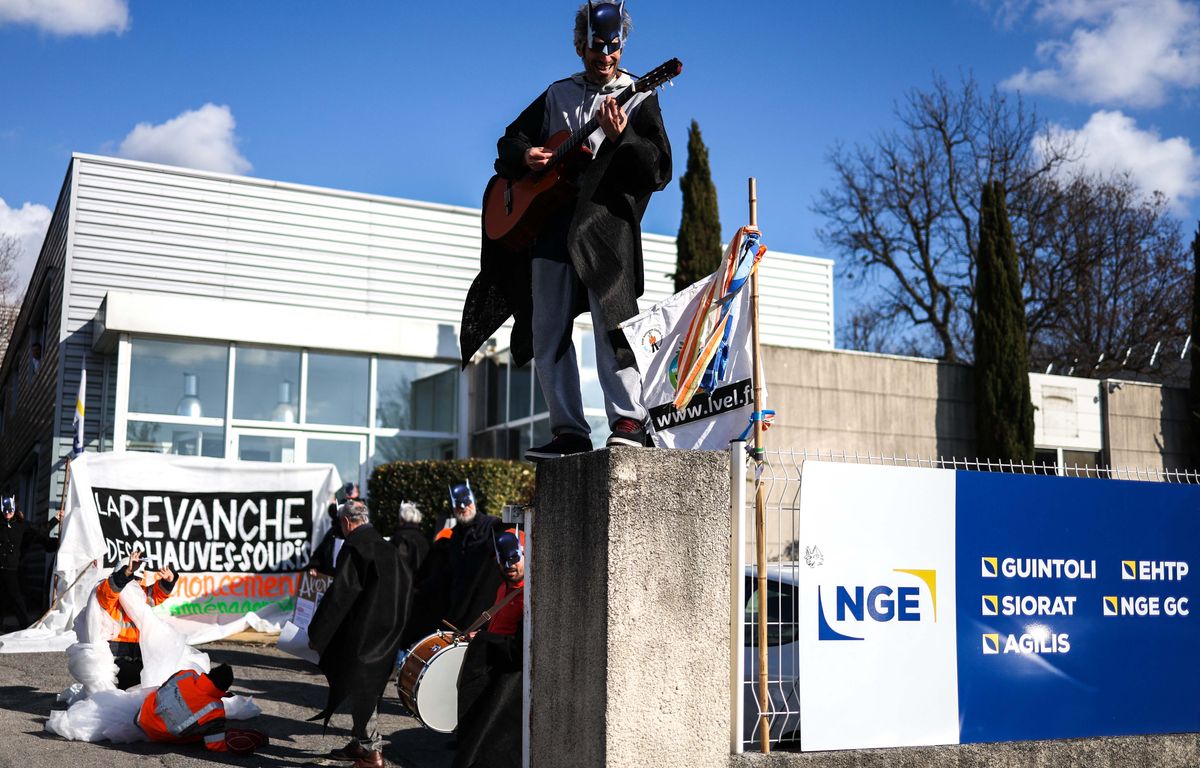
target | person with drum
x=357, y=629
x=489, y=685
x=464, y=585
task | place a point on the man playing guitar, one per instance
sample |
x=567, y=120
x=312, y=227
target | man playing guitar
x=587, y=255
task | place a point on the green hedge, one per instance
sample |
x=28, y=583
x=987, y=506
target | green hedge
x=496, y=482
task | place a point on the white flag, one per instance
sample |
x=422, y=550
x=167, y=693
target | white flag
x=77, y=422
x=711, y=419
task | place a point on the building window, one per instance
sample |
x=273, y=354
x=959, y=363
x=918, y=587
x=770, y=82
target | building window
x=266, y=385
x=285, y=405
x=337, y=389
x=179, y=439
x=281, y=450
x=389, y=449
x=346, y=455
x=412, y=395
x=178, y=378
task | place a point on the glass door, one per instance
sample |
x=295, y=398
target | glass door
x=346, y=452
x=267, y=445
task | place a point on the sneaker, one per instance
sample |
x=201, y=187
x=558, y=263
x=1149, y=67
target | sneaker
x=562, y=445
x=627, y=432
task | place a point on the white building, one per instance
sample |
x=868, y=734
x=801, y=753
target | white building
x=229, y=316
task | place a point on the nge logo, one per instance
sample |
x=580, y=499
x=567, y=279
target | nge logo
x=879, y=603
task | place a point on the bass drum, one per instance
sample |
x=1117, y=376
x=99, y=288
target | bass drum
x=428, y=680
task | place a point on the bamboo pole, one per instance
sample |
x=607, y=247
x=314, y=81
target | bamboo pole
x=62, y=502
x=65, y=592
x=764, y=725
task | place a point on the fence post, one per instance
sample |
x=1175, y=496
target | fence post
x=737, y=595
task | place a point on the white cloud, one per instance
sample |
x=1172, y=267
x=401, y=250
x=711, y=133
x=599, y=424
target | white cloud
x=28, y=224
x=201, y=138
x=1118, y=52
x=1111, y=142
x=68, y=17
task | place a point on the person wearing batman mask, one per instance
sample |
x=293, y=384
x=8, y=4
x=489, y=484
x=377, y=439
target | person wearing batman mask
x=464, y=586
x=588, y=255
x=15, y=536
x=489, y=685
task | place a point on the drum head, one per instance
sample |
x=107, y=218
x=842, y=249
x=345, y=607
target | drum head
x=437, y=690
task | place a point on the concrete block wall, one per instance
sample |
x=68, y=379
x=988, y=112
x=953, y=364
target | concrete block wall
x=629, y=575
x=1147, y=426
x=1170, y=751
x=858, y=401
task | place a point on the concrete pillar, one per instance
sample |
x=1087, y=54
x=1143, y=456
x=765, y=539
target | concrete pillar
x=629, y=654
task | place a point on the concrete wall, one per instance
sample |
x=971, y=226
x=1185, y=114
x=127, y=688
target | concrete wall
x=1171, y=751
x=629, y=574
x=859, y=401
x=1147, y=426
x=840, y=400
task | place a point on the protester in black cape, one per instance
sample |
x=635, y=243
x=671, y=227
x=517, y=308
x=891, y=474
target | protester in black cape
x=16, y=534
x=412, y=544
x=357, y=628
x=467, y=583
x=428, y=591
x=324, y=557
x=489, y=685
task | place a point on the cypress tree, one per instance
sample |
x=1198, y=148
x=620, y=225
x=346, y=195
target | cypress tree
x=1194, y=383
x=1004, y=410
x=699, y=240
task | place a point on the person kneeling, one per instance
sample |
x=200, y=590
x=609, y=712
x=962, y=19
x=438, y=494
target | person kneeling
x=188, y=709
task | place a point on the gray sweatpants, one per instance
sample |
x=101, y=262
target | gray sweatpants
x=554, y=294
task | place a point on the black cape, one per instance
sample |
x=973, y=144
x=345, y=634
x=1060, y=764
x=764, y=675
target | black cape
x=358, y=624
x=604, y=241
x=472, y=576
x=412, y=544
x=15, y=536
x=489, y=703
x=465, y=584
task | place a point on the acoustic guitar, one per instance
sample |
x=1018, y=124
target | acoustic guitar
x=514, y=211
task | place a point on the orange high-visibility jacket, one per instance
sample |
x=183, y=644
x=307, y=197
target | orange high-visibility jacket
x=187, y=708
x=108, y=592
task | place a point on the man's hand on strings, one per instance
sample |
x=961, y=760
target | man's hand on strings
x=612, y=118
x=537, y=158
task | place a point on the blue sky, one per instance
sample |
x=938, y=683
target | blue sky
x=407, y=99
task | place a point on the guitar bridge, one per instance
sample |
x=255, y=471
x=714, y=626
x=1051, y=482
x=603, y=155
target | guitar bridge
x=508, y=207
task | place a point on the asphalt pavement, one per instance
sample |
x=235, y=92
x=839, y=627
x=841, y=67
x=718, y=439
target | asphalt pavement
x=289, y=691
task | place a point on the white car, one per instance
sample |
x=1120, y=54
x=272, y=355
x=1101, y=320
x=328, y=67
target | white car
x=783, y=655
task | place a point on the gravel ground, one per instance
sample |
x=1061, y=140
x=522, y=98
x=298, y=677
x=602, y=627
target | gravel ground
x=289, y=691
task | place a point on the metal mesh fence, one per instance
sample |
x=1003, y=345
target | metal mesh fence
x=780, y=474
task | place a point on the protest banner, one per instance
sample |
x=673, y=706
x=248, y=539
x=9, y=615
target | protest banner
x=236, y=533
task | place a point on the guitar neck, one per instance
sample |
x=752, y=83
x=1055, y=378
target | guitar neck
x=581, y=135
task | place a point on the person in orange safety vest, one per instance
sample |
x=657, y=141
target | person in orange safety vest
x=188, y=709
x=125, y=649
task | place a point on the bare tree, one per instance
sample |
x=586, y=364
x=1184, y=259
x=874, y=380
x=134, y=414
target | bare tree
x=1110, y=282
x=904, y=209
x=1103, y=272
x=10, y=254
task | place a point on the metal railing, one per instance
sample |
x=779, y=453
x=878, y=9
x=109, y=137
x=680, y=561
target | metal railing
x=780, y=474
